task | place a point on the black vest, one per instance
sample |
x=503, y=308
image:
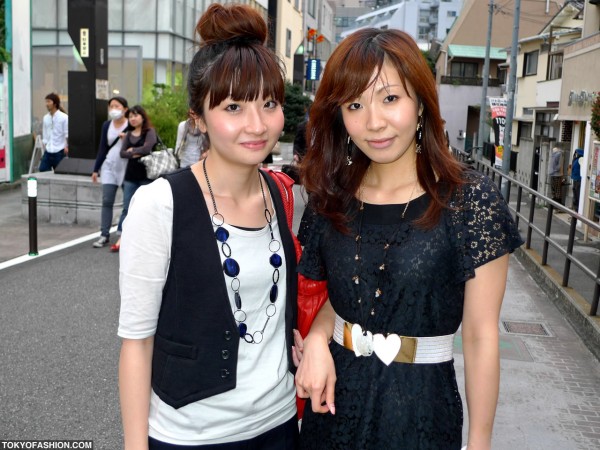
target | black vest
x=197, y=339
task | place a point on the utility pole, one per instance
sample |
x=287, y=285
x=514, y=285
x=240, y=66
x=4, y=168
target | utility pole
x=512, y=78
x=485, y=78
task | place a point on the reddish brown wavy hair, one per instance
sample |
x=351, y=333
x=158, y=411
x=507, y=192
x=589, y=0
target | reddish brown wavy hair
x=348, y=73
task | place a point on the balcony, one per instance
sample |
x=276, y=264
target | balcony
x=469, y=81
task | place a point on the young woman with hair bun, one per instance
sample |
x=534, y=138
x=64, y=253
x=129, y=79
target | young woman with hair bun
x=208, y=269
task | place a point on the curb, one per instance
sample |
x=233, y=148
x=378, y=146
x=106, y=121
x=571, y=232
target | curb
x=574, y=307
x=10, y=186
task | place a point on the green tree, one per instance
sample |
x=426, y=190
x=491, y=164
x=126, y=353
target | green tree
x=595, y=119
x=166, y=108
x=430, y=62
x=4, y=54
x=296, y=105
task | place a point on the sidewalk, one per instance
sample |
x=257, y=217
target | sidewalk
x=14, y=228
x=550, y=381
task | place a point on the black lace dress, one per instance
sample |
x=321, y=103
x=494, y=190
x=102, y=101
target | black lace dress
x=401, y=406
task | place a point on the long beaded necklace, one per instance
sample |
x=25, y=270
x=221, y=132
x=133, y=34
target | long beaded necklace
x=231, y=267
x=376, y=295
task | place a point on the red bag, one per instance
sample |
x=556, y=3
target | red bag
x=312, y=294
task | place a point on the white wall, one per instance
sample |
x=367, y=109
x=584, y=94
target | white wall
x=454, y=107
x=547, y=91
x=445, y=22
x=21, y=69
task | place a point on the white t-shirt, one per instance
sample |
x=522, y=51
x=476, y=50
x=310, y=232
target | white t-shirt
x=265, y=395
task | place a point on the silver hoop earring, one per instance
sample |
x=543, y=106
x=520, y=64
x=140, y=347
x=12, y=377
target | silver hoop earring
x=349, y=150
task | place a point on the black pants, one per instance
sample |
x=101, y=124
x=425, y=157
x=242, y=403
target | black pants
x=283, y=437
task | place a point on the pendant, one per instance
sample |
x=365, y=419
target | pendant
x=362, y=342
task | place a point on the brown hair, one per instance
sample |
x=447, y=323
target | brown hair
x=232, y=59
x=349, y=72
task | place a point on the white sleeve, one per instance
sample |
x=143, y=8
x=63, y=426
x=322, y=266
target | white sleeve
x=46, y=131
x=180, y=131
x=66, y=129
x=145, y=255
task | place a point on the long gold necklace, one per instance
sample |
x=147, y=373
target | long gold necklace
x=376, y=295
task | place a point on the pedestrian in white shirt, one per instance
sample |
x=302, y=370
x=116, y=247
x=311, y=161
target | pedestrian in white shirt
x=55, y=134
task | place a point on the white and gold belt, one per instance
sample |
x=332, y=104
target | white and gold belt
x=393, y=347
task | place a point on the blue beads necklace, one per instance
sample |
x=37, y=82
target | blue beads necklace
x=231, y=267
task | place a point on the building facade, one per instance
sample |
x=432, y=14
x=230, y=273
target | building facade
x=150, y=41
x=536, y=129
x=16, y=139
x=424, y=20
x=460, y=61
x=580, y=87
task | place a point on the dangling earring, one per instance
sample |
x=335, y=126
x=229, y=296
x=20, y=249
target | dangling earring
x=419, y=136
x=349, y=155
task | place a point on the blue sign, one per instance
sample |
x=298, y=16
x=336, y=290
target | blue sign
x=313, y=69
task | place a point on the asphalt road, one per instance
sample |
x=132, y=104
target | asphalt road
x=59, y=350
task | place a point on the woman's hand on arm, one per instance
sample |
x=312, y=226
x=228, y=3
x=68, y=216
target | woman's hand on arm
x=126, y=147
x=135, y=367
x=483, y=299
x=315, y=377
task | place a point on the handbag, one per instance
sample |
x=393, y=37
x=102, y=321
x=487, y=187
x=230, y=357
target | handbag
x=160, y=161
x=312, y=294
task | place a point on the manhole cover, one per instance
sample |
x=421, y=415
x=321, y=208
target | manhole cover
x=529, y=328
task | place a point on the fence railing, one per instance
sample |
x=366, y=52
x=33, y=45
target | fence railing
x=543, y=227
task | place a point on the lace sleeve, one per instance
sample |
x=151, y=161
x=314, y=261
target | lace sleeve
x=309, y=235
x=490, y=229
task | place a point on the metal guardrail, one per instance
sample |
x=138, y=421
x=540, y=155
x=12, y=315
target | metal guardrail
x=544, y=233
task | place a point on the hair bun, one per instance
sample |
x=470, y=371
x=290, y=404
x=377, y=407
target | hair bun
x=240, y=24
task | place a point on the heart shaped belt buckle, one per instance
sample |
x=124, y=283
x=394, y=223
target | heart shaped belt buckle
x=386, y=348
x=362, y=341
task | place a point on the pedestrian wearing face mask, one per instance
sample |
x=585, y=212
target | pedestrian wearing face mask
x=110, y=167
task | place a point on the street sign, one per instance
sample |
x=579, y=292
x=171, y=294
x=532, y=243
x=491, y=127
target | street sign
x=313, y=69
x=84, y=42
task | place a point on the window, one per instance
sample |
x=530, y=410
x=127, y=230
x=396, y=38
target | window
x=423, y=33
x=524, y=130
x=451, y=14
x=311, y=7
x=555, y=66
x=530, y=63
x=463, y=69
x=341, y=22
x=288, y=43
x=528, y=112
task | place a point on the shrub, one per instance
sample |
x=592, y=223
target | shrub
x=166, y=108
x=296, y=105
x=595, y=120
